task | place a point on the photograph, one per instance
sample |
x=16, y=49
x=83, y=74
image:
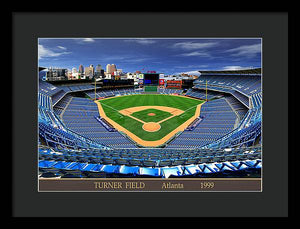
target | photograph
x=149, y=114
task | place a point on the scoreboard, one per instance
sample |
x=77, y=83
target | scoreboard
x=174, y=84
x=151, y=78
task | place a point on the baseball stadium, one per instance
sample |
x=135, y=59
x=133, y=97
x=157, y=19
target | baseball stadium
x=211, y=128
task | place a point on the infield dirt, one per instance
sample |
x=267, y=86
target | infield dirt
x=151, y=127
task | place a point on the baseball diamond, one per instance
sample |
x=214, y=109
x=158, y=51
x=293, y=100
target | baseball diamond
x=130, y=114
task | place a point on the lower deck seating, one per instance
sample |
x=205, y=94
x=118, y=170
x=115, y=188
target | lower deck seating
x=218, y=119
x=79, y=116
x=150, y=162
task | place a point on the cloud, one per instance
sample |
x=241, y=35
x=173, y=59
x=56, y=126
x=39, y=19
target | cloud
x=192, y=66
x=61, y=47
x=229, y=68
x=88, y=40
x=194, y=45
x=126, y=59
x=196, y=53
x=197, y=73
x=193, y=73
x=142, y=41
x=84, y=40
x=46, y=52
x=246, y=50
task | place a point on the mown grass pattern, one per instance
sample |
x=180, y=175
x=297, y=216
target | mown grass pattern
x=112, y=105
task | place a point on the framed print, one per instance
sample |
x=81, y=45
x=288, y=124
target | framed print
x=151, y=114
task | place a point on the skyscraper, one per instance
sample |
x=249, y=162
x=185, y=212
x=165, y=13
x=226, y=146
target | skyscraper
x=80, y=69
x=98, y=70
x=110, y=68
x=92, y=69
x=113, y=68
x=89, y=71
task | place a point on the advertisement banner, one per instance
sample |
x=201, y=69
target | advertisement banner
x=161, y=81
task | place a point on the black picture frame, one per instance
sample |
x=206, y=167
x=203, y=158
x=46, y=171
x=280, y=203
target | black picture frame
x=272, y=202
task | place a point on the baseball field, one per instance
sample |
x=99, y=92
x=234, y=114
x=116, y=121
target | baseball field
x=150, y=119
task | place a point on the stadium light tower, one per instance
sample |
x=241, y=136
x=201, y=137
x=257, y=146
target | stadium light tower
x=95, y=87
x=206, y=90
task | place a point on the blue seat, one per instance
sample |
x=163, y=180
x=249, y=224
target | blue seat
x=129, y=170
x=172, y=171
x=150, y=171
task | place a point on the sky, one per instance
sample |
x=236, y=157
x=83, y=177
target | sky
x=169, y=56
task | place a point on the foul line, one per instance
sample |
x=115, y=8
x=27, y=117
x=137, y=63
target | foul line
x=113, y=109
x=145, y=142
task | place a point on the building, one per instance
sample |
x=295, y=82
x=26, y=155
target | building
x=113, y=68
x=74, y=70
x=81, y=72
x=98, y=68
x=99, y=72
x=70, y=75
x=92, y=69
x=81, y=69
x=56, y=74
x=110, y=68
x=116, y=73
x=89, y=72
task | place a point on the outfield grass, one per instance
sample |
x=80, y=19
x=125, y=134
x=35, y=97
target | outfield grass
x=113, y=105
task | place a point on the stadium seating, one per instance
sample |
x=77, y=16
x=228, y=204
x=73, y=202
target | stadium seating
x=218, y=119
x=169, y=91
x=246, y=133
x=245, y=84
x=74, y=143
x=102, y=93
x=256, y=99
x=167, y=167
x=79, y=116
x=237, y=106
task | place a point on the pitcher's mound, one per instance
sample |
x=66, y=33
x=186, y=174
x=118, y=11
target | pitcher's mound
x=151, y=114
x=151, y=126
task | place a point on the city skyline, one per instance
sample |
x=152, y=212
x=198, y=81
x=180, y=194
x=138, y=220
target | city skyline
x=168, y=56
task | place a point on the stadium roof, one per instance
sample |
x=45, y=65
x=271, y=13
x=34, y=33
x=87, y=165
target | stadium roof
x=244, y=71
x=41, y=68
